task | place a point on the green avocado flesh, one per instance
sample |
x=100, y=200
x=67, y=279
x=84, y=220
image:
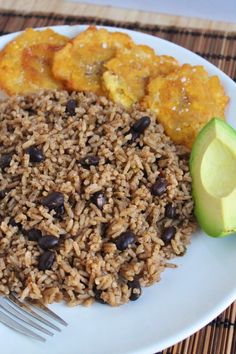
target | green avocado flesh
x=213, y=171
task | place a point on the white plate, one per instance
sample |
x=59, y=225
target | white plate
x=185, y=300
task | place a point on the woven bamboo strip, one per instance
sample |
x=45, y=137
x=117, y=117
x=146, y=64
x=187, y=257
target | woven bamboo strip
x=68, y=8
x=219, y=337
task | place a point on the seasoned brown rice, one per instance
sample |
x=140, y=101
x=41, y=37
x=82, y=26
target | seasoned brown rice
x=87, y=263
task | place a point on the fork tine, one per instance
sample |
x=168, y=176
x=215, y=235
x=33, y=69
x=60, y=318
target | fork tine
x=11, y=310
x=26, y=308
x=9, y=322
x=46, y=310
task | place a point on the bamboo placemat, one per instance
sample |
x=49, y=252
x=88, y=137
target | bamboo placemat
x=66, y=7
x=219, y=47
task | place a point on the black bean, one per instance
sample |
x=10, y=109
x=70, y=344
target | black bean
x=5, y=160
x=167, y=234
x=135, y=136
x=48, y=242
x=60, y=210
x=138, y=128
x=71, y=106
x=170, y=211
x=53, y=200
x=89, y=160
x=136, y=290
x=99, y=199
x=13, y=222
x=159, y=187
x=33, y=234
x=36, y=154
x=141, y=125
x=97, y=295
x=46, y=260
x=125, y=239
x=3, y=193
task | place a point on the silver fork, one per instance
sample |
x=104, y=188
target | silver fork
x=21, y=316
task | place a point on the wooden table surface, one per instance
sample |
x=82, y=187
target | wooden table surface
x=109, y=12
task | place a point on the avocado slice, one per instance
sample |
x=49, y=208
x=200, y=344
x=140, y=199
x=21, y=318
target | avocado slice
x=213, y=171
